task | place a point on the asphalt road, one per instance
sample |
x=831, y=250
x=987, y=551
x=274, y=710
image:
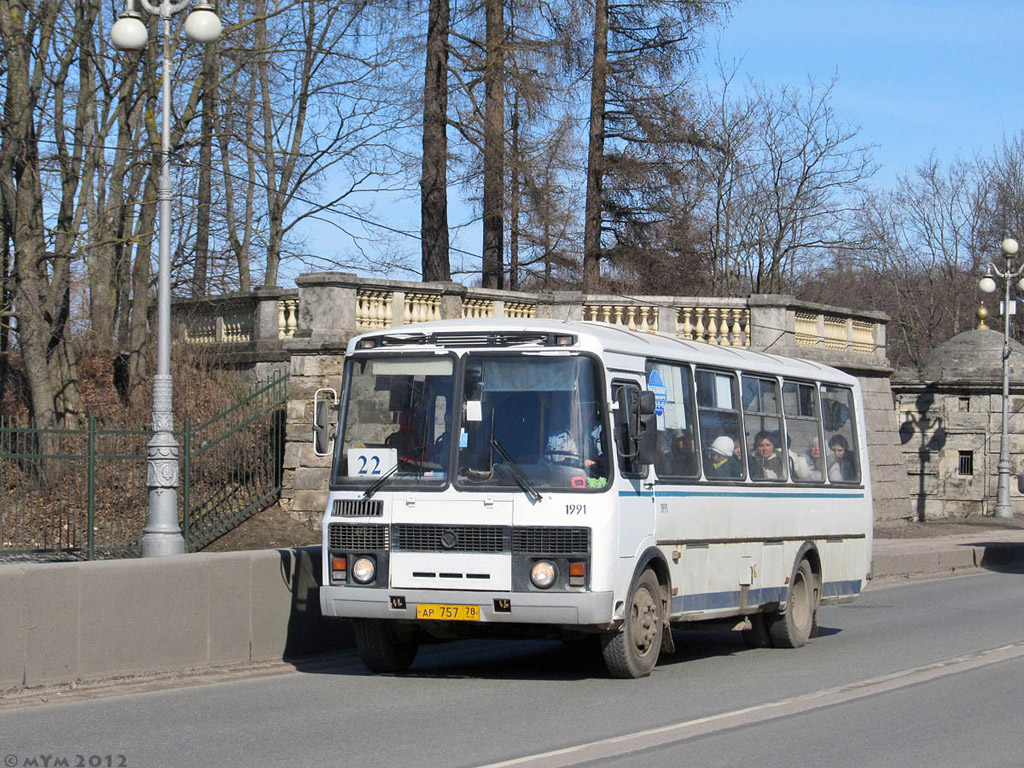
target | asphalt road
x=927, y=673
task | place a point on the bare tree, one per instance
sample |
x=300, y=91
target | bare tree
x=30, y=47
x=783, y=185
x=920, y=253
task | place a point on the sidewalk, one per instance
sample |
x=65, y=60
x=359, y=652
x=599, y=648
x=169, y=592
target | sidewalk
x=904, y=550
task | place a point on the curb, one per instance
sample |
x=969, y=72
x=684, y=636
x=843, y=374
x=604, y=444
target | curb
x=947, y=559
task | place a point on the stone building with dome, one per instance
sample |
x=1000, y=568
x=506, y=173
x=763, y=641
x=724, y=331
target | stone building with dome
x=949, y=412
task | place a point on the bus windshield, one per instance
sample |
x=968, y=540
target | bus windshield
x=532, y=420
x=396, y=421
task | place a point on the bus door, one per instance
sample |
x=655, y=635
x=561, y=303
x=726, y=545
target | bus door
x=635, y=486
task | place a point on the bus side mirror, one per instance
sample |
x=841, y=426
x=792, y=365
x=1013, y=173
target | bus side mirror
x=648, y=443
x=647, y=403
x=636, y=425
x=323, y=440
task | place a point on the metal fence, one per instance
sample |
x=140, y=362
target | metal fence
x=81, y=494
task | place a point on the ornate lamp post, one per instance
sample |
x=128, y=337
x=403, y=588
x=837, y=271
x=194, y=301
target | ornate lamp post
x=988, y=284
x=163, y=534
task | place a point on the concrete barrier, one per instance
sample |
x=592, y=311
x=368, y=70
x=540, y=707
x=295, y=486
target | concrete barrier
x=64, y=622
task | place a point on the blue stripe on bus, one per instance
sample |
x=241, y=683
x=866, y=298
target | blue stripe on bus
x=714, y=601
x=741, y=494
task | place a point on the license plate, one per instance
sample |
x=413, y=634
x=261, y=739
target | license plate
x=448, y=612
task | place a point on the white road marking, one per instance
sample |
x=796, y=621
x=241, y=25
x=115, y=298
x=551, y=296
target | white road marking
x=676, y=732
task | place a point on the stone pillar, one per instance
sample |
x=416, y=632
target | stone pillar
x=265, y=327
x=668, y=319
x=451, y=300
x=327, y=306
x=772, y=323
x=305, y=476
x=560, y=305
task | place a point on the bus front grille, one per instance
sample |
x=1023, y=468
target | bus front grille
x=346, y=537
x=357, y=508
x=452, y=538
x=540, y=540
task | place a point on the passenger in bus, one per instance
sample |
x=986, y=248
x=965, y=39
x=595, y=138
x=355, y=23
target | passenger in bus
x=765, y=462
x=722, y=463
x=842, y=466
x=808, y=466
x=681, y=458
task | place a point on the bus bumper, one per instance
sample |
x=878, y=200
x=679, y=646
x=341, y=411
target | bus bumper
x=554, y=608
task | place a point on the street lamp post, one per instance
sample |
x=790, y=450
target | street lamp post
x=988, y=285
x=163, y=533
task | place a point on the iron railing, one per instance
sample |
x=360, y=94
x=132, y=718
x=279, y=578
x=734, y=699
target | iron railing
x=80, y=494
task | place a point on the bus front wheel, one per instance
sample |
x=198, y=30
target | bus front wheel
x=382, y=646
x=792, y=628
x=633, y=650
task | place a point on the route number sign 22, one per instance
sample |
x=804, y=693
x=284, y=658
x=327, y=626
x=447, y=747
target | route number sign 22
x=371, y=462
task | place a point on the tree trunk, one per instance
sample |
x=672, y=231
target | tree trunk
x=595, y=151
x=434, y=179
x=200, y=267
x=23, y=36
x=515, y=190
x=494, y=147
x=139, y=335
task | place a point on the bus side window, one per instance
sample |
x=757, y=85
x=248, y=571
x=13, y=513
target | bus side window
x=721, y=435
x=803, y=430
x=677, y=456
x=763, y=426
x=838, y=415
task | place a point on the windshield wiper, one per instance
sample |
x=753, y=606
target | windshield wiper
x=379, y=482
x=516, y=472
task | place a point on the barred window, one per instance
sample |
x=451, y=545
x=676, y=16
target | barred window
x=966, y=463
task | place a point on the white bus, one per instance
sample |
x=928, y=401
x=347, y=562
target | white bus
x=547, y=479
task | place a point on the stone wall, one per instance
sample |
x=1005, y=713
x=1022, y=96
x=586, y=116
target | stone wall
x=939, y=423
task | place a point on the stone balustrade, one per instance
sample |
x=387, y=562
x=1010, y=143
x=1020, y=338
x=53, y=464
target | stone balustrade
x=329, y=308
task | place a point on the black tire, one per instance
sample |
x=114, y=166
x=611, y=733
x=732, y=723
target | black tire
x=792, y=628
x=633, y=650
x=383, y=647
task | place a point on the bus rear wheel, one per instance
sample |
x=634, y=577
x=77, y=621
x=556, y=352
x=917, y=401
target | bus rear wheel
x=792, y=628
x=633, y=650
x=383, y=646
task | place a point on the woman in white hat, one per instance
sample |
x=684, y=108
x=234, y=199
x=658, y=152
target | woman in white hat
x=722, y=462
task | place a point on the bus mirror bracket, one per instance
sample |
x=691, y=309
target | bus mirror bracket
x=324, y=401
x=637, y=425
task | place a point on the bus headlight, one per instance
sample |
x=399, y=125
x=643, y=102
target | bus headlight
x=363, y=570
x=543, y=574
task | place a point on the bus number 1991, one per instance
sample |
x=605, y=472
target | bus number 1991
x=575, y=509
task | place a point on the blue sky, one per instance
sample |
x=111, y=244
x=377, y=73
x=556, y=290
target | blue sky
x=916, y=76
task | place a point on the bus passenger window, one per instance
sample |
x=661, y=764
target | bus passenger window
x=763, y=427
x=677, y=453
x=803, y=430
x=720, y=431
x=837, y=411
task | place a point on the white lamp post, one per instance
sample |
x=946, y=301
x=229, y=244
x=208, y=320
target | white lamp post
x=988, y=284
x=163, y=534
